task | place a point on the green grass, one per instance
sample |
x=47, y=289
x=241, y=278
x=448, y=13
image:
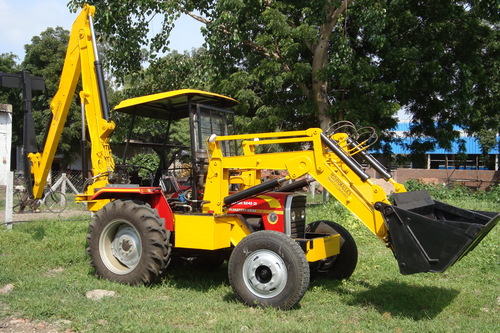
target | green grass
x=47, y=264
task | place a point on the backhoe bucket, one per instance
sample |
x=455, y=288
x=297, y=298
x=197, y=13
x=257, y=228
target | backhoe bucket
x=430, y=236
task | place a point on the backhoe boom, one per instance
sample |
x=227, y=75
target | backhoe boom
x=80, y=61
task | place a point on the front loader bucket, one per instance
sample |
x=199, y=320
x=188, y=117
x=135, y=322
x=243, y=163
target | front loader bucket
x=430, y=236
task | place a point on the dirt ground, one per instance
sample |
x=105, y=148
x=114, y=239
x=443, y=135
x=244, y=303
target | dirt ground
x=15, y=324
x=45, y=215
x=11, y=322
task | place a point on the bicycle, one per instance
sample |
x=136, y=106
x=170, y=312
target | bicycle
x=55, y=201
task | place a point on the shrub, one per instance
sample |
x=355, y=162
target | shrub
x=443, y=192
x=149, y=161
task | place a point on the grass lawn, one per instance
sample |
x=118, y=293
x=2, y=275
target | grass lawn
x=48, y=266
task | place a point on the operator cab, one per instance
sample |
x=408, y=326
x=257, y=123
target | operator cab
x=181, y=164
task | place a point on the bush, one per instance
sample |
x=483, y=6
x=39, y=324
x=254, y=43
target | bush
x=149, y=161
x=443, y=192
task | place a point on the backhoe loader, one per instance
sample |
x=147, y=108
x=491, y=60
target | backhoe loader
x=224, y=210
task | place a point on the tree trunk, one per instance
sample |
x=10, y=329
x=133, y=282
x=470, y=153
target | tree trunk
x=319, y=91
x=320, y=98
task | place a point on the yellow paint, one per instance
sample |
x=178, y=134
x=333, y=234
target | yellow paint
x=215, y=230
x=78, y=63
x=322, y=247
x=272, y=202
x=208, y=232
x=319, y=162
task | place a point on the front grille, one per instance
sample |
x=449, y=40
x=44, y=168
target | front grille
x=295, y=216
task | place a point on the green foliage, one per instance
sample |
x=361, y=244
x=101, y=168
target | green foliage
x=173, y=71
x=45, y=57
x=8, y=62
x=151, y=131
x=488, y=140
x=272, y=45
x=297, y=64
x=444, y=58
x=443, y=192
x=438, y=191
x=148, y=161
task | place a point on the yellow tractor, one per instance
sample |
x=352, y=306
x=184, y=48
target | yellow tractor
x=225, y=209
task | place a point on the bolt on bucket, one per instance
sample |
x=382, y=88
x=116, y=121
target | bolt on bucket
x=430, y=236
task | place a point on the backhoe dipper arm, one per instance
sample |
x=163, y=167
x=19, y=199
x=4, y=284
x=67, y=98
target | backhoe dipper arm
x=81, y=60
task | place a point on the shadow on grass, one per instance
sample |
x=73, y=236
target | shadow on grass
x=180, y=275
x=37, y=233
x=404, y=300
x=186, y=276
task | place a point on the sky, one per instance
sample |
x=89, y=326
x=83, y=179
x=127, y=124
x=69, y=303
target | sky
x=20, y=20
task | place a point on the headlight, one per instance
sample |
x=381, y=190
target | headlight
x=273, y=217
x=303, y=214
x=293, y=215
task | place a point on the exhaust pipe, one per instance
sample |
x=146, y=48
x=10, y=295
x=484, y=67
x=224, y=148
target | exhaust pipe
x=430, y=236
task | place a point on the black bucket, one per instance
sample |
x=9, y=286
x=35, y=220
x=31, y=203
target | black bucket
x=430, y=236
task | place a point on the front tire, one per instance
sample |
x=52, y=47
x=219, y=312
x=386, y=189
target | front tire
x=128, y=243
x=342, y=265
x=268, y=268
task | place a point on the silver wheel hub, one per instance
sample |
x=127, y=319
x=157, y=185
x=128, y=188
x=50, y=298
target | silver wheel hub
x=120, y=247
x=265, y=273
x=126, y=246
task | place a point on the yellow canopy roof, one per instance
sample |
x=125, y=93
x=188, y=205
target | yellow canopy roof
x=172, y=104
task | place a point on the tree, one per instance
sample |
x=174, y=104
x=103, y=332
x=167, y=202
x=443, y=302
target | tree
x=309, y=63
x=278, y=54
x=172, y=71
x=442, y=59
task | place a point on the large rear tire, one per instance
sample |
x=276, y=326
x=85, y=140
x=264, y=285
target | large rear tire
x=128, y=243
x=269, y=269
x=337, y=267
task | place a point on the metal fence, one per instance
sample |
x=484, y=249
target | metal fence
x=69, y=182
x=73, y=177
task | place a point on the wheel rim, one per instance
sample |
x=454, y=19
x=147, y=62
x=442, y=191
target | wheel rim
x=120, y=247
x=265, y=273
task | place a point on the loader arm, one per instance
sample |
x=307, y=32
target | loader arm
x=81, y=61
x=424, y=235
x=342, y=177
